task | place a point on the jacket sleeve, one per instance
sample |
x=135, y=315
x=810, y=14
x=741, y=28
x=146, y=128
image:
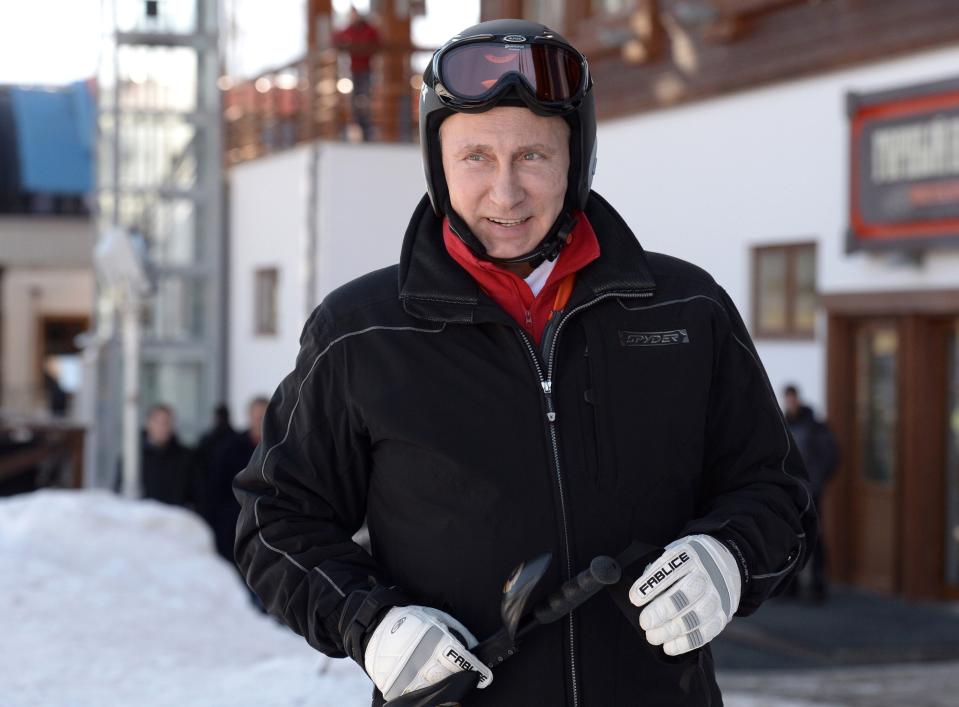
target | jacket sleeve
x=756, y=498
x=303, y=497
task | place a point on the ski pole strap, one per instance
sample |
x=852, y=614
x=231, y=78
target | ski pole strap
x=633, y=560
x=495, y=649
x=449, y=691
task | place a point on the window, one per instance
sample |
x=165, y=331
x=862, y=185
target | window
x=784, y=291
x=176, y=313
x=264, y=301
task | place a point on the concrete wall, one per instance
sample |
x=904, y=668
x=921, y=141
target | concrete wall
x=28, y=295
x=47, y=270
x=46, y=241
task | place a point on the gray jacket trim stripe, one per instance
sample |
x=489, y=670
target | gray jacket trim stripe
x=289, y=425
x=782, y=422
x=768, y=387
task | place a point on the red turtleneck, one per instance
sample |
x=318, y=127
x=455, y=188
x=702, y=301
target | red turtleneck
x=511, y=292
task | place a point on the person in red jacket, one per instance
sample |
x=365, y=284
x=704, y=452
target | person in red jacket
x=361, y=39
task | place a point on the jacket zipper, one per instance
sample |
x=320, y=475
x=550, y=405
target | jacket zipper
x=550, y=336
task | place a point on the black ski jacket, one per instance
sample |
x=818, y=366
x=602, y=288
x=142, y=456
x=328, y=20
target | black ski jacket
x=418, y=404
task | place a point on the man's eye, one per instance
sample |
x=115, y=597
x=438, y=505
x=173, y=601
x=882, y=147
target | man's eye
x=532, y=156
x=474, y=157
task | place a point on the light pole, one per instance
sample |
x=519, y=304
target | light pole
x=125, y=283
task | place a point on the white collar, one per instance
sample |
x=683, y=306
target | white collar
x=539, y=276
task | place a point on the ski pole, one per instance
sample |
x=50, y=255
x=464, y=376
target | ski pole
x=603, y=572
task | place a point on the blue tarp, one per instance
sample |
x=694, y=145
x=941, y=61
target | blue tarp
x=55, y=133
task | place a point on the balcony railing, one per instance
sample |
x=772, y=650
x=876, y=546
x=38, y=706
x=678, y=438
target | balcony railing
x=37, y=455
x=313, y=98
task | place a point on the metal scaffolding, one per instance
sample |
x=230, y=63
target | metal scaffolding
x=160, y=180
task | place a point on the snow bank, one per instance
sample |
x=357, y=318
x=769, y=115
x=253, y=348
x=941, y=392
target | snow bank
x=105, y=601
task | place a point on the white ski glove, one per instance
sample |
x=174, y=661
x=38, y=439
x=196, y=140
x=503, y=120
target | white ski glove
x=414, y=646
x=693, y=590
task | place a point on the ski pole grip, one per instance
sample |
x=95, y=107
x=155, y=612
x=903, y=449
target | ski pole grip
x=602, y=572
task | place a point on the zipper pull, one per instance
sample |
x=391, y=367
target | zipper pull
x=529, y=320
x=548, y=390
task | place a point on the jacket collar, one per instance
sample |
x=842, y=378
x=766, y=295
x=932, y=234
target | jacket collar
x=433, y=286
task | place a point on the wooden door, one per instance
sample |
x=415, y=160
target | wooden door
x=892, y=512
x=951, y=530
x=875, y=454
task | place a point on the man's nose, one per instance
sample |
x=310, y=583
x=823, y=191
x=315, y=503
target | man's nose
x=506, y=192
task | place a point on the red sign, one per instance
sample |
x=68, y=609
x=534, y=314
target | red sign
x=904, y=168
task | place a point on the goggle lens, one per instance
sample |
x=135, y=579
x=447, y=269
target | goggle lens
x=554, y=74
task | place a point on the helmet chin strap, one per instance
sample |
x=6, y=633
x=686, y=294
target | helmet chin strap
x=547, y=249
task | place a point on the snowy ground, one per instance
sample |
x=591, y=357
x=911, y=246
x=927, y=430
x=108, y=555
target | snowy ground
x=111, y=602
x=106, y=602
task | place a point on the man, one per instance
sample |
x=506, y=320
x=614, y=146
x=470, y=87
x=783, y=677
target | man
x=168, y=473
x=228, y=459
x=219, y=433
x=361, y=39
x=526, y=380
x=820, y=453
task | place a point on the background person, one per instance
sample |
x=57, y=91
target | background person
x=819, y=451
x=229, y=459
x=167, y=470
x=220, y=432
x=361, y=39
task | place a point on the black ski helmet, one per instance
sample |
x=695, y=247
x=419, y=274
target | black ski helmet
x=439, y=100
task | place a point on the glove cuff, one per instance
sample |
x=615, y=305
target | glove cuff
x=730, y=542
x=362, y=612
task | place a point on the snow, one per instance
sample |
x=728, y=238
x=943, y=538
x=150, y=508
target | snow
x=109, y=602
x=115, y=602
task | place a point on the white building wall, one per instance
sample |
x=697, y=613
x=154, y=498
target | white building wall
x=268, y=226
x=708, y=181
x=704, y=182
x=366, y=194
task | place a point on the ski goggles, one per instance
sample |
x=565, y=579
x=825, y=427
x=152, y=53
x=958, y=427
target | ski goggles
x=473, y=73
